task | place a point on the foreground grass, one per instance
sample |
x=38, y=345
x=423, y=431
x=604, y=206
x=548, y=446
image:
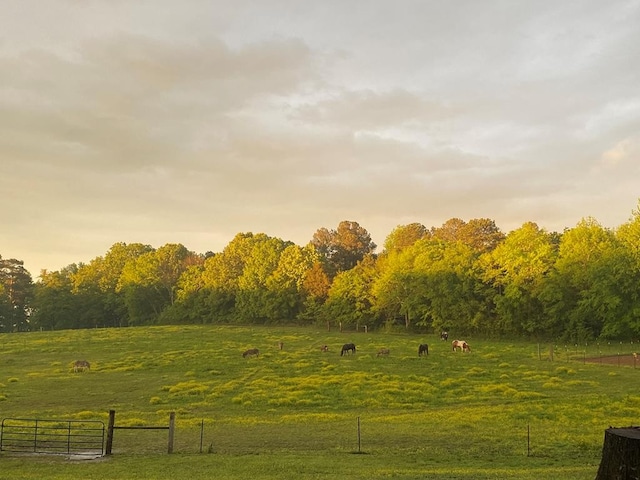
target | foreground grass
x=281, y=465
x=295, y=411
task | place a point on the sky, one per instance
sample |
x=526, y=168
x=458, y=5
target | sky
x=169, y=121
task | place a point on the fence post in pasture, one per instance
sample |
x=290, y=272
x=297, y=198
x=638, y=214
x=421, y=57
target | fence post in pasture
x=201, y=433
x=528, y=440
x=359, y=451
x=172, y=426
x=112, y=421
x=551, y=352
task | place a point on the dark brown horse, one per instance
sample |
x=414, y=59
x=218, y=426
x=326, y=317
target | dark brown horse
x=423, y=349
x=348, y=347
x=251, y=352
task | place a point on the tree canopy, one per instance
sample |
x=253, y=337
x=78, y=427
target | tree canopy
x=464, y=276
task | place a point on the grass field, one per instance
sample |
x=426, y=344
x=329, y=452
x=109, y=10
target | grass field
x=504, y=411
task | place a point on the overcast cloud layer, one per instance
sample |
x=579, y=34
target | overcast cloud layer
x=188, y=122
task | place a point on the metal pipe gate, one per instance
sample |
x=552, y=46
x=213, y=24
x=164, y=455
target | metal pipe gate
x=76, y=437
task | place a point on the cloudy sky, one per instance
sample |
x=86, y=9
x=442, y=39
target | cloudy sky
x=168, y=121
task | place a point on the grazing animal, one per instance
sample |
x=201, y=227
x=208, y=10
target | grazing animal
x=383, y=352
x=423, y=349
x=444, y=336
x=324, y=348
x=251, y=352
x=348, y=347
x=81, y=366
x=460, y=345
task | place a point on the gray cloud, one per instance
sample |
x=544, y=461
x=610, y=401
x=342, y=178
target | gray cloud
x=153, y=122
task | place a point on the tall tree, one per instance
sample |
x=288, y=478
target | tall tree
x=253, y=302
x=432, y=284
x=285, y=286
x=16, y=292
x=97, y=283
x=350, y=299
x=55, y=307
x=149, y=282
x=517, y=269
x=481, y=234
x=343, y=248
x=404, y=236
x=585, y=286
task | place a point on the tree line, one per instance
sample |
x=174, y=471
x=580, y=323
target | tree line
x=464, y=276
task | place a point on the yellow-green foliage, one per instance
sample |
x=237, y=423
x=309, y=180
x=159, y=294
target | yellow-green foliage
x=190, y=387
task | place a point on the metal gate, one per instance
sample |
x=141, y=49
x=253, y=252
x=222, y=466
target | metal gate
x=75, y=437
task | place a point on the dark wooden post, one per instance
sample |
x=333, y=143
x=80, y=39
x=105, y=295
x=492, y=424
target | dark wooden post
x=172, y=423
x=620, y=454
x=112, y=421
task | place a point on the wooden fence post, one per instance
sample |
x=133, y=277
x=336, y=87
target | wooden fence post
x=112, y=421
x=172, y=424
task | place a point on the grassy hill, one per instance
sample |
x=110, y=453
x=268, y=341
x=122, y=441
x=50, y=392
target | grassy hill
x=296, y=410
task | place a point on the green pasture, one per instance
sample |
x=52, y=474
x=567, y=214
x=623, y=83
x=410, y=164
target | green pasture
x=505, y=411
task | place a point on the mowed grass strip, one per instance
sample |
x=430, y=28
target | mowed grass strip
x=448, y=408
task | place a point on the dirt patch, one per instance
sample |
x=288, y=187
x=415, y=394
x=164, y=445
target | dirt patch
x=629, y=360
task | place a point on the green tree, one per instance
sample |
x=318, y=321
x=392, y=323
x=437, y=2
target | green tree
x=98, y=284
x=350, y=300
x=285, y=286
x=254, y=302
x=398, y=288
x=481, y=234
x=55, y=307
x=516, y=270
x=586, y=289
x=16, y=292
x=149, y=282
x=431, y=284
x=404, y=236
